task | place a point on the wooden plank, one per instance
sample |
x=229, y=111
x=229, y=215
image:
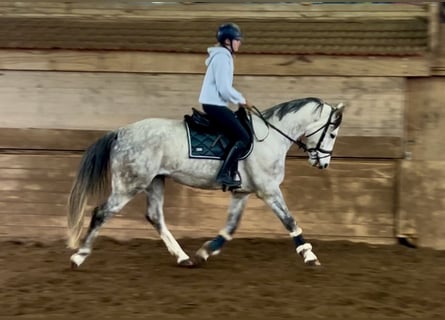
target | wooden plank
x=93, y=101
x=260, y=5
x=153, y=62
x=129, y=27
x=8, y=208
x=146, y=36
x=421, y=212
x=50, y=185
x=23, y=141
x=48, y=139
x=52, y=233
x=34, y=197
x=215, y=10
x=385, y=147
x=36, y=161
x=35, y=174
x=117, y=223
x=389, y=28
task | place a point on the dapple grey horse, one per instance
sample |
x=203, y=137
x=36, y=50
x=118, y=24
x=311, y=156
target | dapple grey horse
x=140, y=156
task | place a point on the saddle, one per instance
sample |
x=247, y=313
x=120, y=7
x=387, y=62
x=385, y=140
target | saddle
x=205, y=141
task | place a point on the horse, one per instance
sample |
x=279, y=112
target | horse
x=138, y=158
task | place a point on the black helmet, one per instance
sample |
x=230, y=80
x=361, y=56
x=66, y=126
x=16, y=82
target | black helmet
x=228, y=31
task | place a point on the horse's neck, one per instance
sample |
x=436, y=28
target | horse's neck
x=294, y=124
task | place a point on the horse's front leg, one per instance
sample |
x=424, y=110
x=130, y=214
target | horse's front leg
x=275, y=200
x=214, y=246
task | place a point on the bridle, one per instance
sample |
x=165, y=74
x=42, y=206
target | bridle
x=300, y=143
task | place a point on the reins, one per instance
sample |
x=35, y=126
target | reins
x=300, y=144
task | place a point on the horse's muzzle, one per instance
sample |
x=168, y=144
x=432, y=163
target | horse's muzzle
x=317, y=163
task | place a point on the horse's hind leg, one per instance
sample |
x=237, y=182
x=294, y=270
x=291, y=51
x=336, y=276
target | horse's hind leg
x=155, y=215
x=115, y=202
x=214, y=246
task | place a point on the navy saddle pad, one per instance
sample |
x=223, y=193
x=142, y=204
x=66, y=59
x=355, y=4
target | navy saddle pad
x=204, y=141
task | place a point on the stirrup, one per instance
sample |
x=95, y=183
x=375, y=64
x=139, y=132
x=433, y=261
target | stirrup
x=229, y=185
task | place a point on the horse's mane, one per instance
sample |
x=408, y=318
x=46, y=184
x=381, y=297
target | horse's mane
x=280, y=110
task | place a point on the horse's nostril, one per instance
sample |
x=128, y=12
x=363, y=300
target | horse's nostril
x=325, y=166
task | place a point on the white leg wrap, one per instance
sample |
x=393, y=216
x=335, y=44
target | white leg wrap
x=305, y=250
x=309, y=256
x=79, y=257
x=304, y=247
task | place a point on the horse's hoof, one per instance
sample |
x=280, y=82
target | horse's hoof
x=408, y=241
x=76, y=260
x=200, y=260
x=187, y=263
x=313, y=263
x=202, y=254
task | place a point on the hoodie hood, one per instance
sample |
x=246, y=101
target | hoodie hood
x=213, y=51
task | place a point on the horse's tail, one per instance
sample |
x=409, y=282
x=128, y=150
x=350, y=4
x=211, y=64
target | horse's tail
x=91, y=180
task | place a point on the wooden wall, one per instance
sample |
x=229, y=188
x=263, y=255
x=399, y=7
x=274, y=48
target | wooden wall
x=353, y=200
x=422, y=206
x=54, y=103
x=70, y=102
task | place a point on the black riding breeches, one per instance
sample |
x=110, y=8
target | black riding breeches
x=228, y=123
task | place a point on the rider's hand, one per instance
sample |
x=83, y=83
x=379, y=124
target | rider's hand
x=247, y=105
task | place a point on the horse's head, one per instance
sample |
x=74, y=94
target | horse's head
x=321, y=134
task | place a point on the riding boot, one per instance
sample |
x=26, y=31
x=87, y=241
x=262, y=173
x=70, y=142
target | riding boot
x=225, y=175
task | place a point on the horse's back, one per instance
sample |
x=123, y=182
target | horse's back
x=150, y=137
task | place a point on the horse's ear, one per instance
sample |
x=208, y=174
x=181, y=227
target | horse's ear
x=340, y=107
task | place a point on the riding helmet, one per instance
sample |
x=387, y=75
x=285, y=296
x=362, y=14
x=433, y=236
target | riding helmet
x=228, y=31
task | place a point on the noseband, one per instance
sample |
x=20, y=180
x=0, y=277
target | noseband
x=323, y=134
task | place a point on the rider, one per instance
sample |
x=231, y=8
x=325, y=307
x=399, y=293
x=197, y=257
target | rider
x=216, y=93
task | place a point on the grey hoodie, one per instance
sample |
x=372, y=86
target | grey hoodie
x=217, y=87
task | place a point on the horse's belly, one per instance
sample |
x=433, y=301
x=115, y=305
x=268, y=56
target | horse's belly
x=196, y=173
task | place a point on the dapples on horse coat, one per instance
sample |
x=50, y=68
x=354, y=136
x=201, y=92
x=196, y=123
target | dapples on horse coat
x=140, y=156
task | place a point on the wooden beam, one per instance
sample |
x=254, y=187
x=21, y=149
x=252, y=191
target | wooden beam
x=383, y=147
x=270, y=29
x=425, y=118
x=434, y=27
x=421, y=208
x=219, y=10
x=438, y=64
x=47, y=139
x=59, y=141
x=184, y=63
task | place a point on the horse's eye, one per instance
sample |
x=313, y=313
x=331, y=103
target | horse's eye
x=333, y=136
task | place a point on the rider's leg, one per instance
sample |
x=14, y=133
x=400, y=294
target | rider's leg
x=228, y=123
x=225, y=175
